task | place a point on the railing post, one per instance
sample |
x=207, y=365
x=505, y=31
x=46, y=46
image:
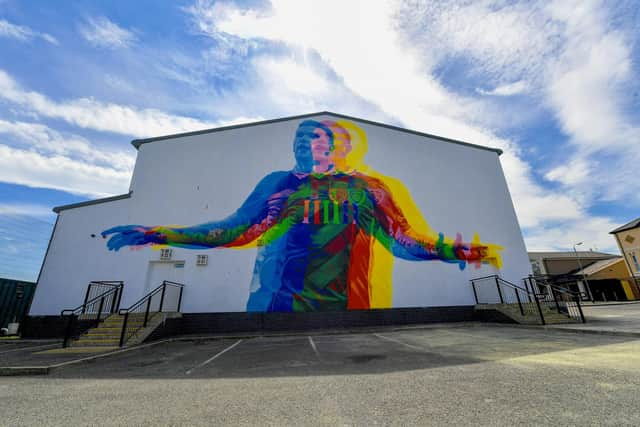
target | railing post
x=499, y=290
x=555, y=298
x=473, y=285
x=577, y=299
x=146, y=313
x=164, y=287
x=519, y=302
x=67, y=334
x=526, y=281
x=117, y=303
x=180, y=298
x=124, y=328
x=86, y=297
x=535, y=297
x=100, y=311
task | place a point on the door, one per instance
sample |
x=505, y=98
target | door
x=161, y=270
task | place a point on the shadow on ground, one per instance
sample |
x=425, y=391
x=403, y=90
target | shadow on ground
x=356, y=353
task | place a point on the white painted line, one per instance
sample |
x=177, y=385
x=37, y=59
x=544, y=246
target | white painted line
x=399, y=342
x=315, y=349
x=214, y=357
x=35, y=347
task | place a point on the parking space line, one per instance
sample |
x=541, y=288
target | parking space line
x=34, y=347
x=315, y=349
x=214, y=357
x=399, y=342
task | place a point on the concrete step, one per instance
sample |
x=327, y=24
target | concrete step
x=110, y=343
x=98, y=337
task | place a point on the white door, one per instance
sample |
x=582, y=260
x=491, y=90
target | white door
x=160, y=271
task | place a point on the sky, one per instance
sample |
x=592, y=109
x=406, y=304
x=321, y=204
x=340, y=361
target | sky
x=554, y=84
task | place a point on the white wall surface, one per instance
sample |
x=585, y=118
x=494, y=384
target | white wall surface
x=196, y=179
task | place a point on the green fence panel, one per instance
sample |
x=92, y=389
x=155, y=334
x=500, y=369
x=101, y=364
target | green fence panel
x=15, y=297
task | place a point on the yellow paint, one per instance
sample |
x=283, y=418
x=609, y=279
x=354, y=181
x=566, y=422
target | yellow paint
x=627, y=290
x=349, y=158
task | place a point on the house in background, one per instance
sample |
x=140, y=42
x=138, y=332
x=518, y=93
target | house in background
x=628, y=239
x=557, y=263
x=609, y=280
x=572, y=270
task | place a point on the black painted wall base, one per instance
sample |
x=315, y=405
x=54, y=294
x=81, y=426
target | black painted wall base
x=212, y=323
x=50, y=327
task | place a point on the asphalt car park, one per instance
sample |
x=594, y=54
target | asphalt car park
x=466, y=374
x=368, y=352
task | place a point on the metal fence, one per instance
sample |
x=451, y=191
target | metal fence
x=15, y=298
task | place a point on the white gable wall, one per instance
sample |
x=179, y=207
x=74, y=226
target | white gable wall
x=195, y=179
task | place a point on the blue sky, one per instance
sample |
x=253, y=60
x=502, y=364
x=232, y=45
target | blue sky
x=554, y=84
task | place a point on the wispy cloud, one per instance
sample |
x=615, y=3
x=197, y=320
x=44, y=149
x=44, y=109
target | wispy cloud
x=49, y=142
x=103, y=33
x=37, y=156
x=509, y=89
x=26, y=209
x=60, y=172
x=20, y=32
x=393, y=61
x=92, y=114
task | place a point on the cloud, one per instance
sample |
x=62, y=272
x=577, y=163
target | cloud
x=22, y=33
x=103, y=33
x=60, y=172
x=561, y=236
x=46, y=141
x=42, y=157
x=92, y=114
x=26, y=209
x=588, y=91
x=391, y=56
x=507, y=89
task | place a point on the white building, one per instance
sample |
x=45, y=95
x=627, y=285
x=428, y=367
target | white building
x=359, y=232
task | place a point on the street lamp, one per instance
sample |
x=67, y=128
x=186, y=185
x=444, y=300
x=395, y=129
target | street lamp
x=584, y=277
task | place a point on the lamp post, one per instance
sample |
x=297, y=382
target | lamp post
x=584, y=277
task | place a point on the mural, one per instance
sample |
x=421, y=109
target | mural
x=327, y=231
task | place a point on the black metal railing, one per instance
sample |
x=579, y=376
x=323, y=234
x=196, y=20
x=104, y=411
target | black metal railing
x=101, y=300
x=496, y=290
x=165, y=298
x=557, y=298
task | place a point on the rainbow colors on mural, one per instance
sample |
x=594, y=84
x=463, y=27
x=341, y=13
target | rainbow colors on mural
x=327, y=231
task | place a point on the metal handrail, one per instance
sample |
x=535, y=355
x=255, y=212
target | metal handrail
x=571, y=297
x=112, y=297
x=124, y=336
x=499, y=282
x=91, y=301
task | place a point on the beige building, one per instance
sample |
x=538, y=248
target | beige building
x=556, y=263
x=628, y=238
x=609, y=280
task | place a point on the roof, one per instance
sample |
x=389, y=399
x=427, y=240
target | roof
x=598, y=266
x=571, y=254
x=138, y=142
x=57, y=209
x=628, y=226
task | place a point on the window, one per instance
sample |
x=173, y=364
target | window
x=166, y=254
x=202, y=260
x=635, y=261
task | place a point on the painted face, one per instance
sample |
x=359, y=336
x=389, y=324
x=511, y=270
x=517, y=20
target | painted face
x=341, y=146
x=312, y=149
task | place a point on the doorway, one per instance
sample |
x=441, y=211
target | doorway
x=162, y=270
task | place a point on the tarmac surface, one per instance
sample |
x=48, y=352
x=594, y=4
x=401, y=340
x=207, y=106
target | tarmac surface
x=622, y=318
x=467, y=374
